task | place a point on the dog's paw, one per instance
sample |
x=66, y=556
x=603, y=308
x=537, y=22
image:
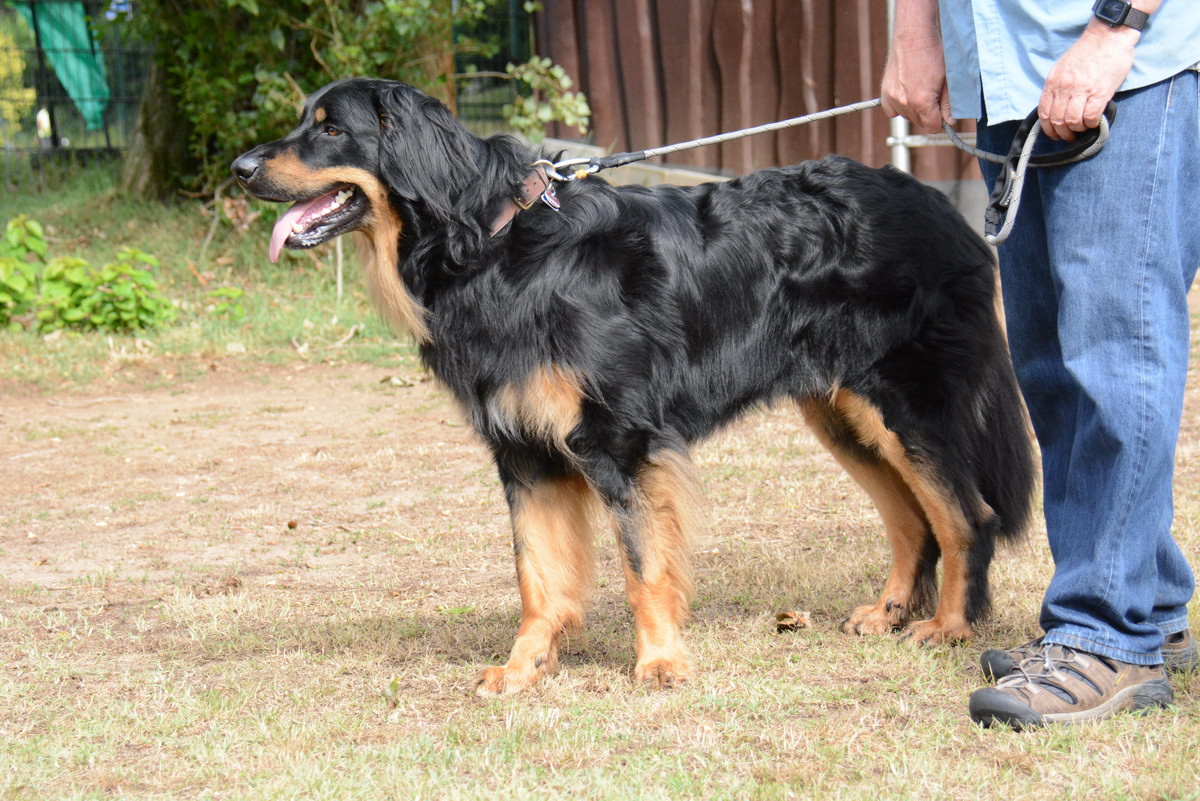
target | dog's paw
x=497, y=681
x=880, y=618
x=935, y=632
x=662, y=674
x=518, y=675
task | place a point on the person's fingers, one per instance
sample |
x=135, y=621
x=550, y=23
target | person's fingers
x=921, y=102
x=927, y=119
x=1058, y=116
x=1052, y=112
x=1093, y=110
x=1073, y=113
x=1044, y=112
x=947, y=116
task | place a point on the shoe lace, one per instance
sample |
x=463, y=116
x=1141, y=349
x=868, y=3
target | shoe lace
x=1034, y=669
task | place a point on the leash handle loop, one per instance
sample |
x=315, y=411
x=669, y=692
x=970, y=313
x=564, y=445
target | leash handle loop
x=1005, y=199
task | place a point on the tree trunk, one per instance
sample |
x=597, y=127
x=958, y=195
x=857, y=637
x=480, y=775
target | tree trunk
x=158, y=154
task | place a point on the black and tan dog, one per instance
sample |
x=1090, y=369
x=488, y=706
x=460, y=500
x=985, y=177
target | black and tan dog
x=592, y=345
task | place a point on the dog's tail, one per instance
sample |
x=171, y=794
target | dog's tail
x=1002, y=464
x=1007, y=470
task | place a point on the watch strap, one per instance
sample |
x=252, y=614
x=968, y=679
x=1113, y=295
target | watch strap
x=1136, y=19
x=1127, y=15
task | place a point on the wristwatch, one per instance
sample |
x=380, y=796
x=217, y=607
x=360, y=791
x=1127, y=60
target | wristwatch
x=1120, y=12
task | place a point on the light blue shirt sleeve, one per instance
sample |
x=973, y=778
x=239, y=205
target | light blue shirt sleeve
x=999, y=52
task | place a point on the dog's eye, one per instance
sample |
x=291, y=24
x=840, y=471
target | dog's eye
x=329, y=130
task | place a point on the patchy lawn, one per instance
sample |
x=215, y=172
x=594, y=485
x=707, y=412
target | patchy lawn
x=211, y=578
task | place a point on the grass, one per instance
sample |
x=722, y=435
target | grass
x=239, y=591
x=251, y=695
x=289, y=311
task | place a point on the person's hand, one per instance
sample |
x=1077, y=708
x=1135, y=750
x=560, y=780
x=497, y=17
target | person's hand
x=1084, y=79
x=914, y=77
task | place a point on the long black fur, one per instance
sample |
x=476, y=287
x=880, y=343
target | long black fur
x=684, y=307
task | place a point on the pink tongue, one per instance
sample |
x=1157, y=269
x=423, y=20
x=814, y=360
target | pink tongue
x=283, y=228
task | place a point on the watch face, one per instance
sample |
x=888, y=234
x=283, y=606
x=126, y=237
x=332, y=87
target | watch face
x=1111, y=10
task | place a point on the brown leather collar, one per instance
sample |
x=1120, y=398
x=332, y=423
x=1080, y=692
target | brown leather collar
x=535, y=185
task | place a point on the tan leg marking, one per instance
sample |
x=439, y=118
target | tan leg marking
x=903, y=522
x=547, y=403
x=667, y=518
x=946, y=519
x=377, y=244
x=552, y=535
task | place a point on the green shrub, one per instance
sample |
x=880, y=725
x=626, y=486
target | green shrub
x=64, y=292
x=237, y=70
x=24, y=239
x=121, y=297
x=18, y=291
x=550, y=99
x=224, y=302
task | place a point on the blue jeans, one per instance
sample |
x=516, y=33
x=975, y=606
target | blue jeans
x=1095, y=278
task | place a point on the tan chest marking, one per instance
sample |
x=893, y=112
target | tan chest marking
x=547, y=403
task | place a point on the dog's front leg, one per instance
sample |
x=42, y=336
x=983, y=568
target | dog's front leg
x=553, y=546
x=654, y=530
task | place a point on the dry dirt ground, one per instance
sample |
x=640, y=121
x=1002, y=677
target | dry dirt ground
x=303, y=532
x=315, y=479
x=265, y=478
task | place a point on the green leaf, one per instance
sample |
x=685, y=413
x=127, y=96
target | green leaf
x=457, y=611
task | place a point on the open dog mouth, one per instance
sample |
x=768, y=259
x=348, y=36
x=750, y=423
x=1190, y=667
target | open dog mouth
x=311, y=222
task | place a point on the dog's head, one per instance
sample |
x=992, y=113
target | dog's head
x=363, y=148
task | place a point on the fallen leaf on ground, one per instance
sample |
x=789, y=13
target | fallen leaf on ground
x=793, y=620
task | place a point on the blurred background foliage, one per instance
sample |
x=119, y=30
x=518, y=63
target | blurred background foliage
x=229, y=74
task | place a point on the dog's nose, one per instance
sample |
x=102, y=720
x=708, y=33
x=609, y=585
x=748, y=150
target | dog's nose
x=245, y=167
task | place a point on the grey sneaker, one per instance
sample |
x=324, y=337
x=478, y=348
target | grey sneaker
x=1178, y=652
x=1061, y=685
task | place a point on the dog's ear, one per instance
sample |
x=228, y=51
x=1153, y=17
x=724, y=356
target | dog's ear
x=426, y=156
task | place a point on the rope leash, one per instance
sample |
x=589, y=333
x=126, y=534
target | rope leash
x=583, y=167
x=1002, y=205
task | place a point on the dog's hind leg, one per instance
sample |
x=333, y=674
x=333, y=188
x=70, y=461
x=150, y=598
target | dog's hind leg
x=552, y=540
x=964, y=548
x=910, y=585
x=655, y=528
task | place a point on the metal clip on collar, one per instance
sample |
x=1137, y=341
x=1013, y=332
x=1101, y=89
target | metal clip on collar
x=577, y=169
x=571, y=169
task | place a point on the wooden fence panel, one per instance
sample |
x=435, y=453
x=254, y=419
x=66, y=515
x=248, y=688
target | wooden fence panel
x=689, y=97
x=663, y=71
x=601, y=80
x=639, y=61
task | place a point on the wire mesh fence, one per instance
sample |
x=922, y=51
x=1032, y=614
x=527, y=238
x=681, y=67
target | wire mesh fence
x=72, y=74
x=71, y=78
x=502, y=36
